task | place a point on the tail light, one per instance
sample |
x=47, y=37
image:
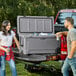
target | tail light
x=63, y=47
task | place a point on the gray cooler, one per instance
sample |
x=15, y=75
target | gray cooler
x=36, y=35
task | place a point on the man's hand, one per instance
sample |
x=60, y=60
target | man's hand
x=70, y=57
x=59, y=34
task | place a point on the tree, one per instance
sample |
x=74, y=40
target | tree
x=10, y=9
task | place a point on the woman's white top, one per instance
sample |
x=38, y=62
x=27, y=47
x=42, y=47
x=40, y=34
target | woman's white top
x=6, y=40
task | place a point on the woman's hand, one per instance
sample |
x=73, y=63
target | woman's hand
x=7, y=51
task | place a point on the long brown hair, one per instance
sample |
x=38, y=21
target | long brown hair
x=3, y=27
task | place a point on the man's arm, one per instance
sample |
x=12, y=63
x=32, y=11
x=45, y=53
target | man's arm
x=73, y=48
x=62, y=33
x=65, y=33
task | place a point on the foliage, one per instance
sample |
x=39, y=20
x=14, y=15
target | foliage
x=10, y=9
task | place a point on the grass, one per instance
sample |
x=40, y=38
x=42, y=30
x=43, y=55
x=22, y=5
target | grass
x=21, y=71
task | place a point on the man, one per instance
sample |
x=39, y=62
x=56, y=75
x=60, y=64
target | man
x=70, y=60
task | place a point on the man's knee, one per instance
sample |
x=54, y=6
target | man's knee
x=63, y=69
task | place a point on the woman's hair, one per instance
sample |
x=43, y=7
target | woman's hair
x=3, y=27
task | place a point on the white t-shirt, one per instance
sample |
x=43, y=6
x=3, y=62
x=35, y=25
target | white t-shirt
x=6, y=40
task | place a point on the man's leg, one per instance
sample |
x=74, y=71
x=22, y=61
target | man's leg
x=72, y=63
x=65, y=68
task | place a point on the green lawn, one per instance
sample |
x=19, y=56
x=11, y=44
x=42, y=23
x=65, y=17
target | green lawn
x=23, y=72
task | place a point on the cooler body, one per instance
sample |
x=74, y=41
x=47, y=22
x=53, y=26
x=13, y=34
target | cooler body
x=39, y=44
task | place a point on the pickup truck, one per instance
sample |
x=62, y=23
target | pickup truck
x=59, y=26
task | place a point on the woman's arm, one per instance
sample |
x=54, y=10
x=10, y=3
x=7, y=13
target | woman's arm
x=6, y=50
x=17, y=42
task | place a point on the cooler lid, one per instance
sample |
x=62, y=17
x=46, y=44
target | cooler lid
x=38, y=24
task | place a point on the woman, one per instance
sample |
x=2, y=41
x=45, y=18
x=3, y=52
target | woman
x=0, y=66
x=6, y=53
